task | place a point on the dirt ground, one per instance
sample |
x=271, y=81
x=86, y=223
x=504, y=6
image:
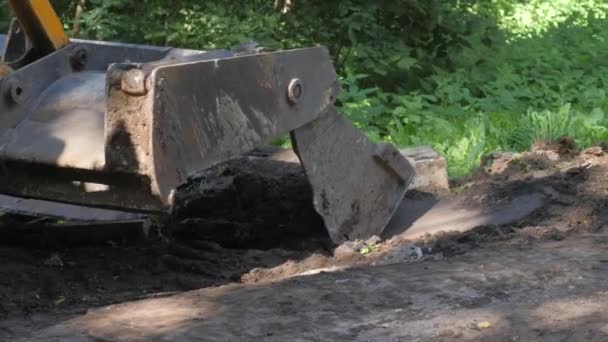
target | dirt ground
x=515, y=253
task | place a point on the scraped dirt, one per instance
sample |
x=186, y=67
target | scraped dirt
x=252, y=262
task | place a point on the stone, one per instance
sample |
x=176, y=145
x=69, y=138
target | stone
x=550, y=155
x=402, y=254
x=431, y=169
x=348, y=249
x=498, y=162
x=594, y=151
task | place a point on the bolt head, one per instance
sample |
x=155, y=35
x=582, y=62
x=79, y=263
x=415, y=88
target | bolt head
x=13, y=90
x=79, y=59
x=295, y=91
x=133, y=82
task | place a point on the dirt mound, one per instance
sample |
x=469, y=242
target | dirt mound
x=250, y=202
x=574, y=185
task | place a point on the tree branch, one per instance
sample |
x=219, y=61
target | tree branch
x=79, y=9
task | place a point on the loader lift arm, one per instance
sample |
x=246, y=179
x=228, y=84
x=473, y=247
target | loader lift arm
x=41, y=25
x=122, y=126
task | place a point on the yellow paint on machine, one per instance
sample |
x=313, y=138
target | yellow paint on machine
x=41, y=23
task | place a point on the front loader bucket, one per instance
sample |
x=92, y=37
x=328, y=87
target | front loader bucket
x=122, y=126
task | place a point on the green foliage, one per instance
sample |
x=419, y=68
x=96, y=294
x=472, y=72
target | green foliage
x=4, y=16
x=465, y=76
x=502, y=96
x=533, y=17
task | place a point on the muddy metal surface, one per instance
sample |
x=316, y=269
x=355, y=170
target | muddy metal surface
x=515, y=253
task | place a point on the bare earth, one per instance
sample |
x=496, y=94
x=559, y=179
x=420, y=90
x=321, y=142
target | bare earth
x=534, y=268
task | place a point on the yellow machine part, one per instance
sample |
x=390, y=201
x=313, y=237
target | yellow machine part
x=41, y=24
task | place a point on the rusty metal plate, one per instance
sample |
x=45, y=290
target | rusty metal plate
x=357, y=186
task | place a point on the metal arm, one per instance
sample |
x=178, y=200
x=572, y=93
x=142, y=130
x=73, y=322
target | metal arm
x=41, y=25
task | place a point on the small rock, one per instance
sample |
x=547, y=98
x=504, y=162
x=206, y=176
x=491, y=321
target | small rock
x=594, y=151
x=401, y=254
x=431, y=169
x=551, y=155
x=374, y=240
x=347, y=249
x=54, y=261
x=540, y=174
x=497, y=162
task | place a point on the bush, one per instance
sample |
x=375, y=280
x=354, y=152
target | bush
x=502, y=96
